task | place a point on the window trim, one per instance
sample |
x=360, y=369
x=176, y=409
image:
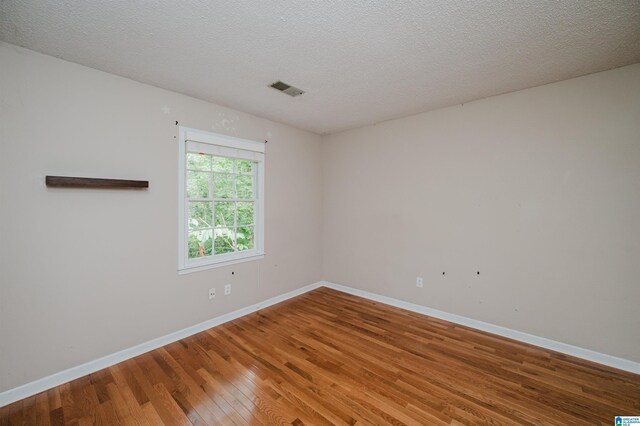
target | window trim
x=186, y=265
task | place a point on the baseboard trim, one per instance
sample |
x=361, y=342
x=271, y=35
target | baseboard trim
x=578, y=352
x=73, y=373
x=45, y=383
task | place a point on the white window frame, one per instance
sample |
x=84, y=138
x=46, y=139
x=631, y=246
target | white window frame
x=230, y=147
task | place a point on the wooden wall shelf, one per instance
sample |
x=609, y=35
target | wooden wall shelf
x=82, y=182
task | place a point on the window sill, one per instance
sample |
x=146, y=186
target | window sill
x=198, y=268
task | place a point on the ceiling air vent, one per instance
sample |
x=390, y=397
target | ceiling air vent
x=289, y=90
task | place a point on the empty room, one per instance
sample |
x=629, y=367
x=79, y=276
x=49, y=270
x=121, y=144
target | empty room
x=320, y=212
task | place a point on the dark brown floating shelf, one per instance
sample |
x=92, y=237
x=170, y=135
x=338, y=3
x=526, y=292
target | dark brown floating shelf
x=82, y=182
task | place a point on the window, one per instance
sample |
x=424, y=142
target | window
x=221, y=200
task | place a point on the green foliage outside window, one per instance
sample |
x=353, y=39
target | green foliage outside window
x=221, y=208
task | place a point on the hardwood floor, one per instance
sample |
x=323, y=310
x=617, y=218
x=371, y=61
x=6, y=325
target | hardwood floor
x=330, y=358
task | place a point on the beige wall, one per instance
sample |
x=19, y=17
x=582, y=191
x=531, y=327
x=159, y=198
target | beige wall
x=539, y=190
x=85, y=273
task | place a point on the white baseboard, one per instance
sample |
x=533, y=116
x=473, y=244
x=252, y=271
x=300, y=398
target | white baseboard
x=65, y=376
x=587, y=354
x=72, y=373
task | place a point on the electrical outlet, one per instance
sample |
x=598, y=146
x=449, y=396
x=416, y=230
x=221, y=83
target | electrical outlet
x=227, y=289
x=212, y=293
x=419, y=282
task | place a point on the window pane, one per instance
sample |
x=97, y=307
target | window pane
x=198, y=161
x=244, y=236
x=224, y=241
x=223, y=186
x=225, y=214
x=244, y=186
x=200, y=243
x=200, y=215
x=245, y=213
x=198, y=184
x=223, y=164
x=244, y=166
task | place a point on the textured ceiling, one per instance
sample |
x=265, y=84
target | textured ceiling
x=360, y=62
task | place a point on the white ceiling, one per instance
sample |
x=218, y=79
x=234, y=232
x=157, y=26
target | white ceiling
x=360, y=62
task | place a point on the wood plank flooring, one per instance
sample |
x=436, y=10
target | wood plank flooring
x=330, y=358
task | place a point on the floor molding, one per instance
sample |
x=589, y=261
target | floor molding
x=65, y=376
x=72, y=373
x=578, y=352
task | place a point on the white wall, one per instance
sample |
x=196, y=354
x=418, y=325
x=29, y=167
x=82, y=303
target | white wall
x=85, y=273
x=539, y=190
